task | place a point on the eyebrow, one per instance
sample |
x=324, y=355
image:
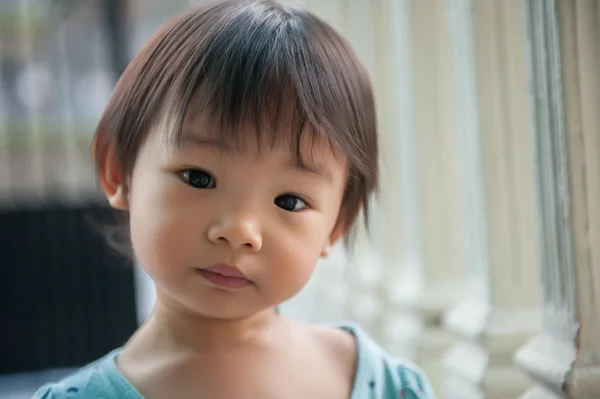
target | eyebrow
x=302, y=167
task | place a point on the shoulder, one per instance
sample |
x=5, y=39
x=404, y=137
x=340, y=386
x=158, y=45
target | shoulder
x=338, y=342
x=336, y=348
x=383, y=375
x=100, y=379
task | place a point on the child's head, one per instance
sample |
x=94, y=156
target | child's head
x=244, y=133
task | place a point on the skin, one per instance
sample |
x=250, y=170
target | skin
x=229, y=343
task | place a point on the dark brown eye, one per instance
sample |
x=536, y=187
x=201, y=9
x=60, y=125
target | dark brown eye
x=198, y=178
x=290, y=203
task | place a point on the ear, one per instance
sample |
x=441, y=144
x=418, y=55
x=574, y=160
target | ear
x=335, y=235
x=340, y=228
x=111, y=179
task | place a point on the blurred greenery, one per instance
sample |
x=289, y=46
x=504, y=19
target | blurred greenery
x=17, y=135
x=12, y=25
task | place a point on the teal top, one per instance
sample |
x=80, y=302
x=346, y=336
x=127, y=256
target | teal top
x=378, y=376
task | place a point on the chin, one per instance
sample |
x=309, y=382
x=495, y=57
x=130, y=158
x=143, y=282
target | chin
x=225, y=310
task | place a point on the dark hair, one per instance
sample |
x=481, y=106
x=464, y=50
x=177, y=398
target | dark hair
x=250, y=61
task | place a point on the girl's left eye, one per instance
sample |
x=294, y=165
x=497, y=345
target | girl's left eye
x=290, y=203
x=198, y=178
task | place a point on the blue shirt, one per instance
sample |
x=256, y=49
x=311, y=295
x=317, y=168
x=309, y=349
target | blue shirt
x=378, y=376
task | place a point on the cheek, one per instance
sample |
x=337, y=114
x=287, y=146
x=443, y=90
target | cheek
x=292, y=259
x=159, y=226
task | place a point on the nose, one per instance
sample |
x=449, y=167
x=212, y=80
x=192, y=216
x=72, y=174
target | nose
x=239, y=233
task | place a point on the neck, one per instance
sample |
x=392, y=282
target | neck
x=185, y=330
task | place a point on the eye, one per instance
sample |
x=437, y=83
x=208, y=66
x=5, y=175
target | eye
x=290, y=203
x=198, y=178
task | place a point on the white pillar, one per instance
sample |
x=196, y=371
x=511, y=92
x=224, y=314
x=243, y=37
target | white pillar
x=493, y=129
x=443, y=272
x=564, y=359
x=398, y=231
x=421, y=256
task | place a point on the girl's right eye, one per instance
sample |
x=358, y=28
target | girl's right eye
x=198, y=178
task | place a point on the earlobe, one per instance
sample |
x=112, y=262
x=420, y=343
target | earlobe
x=335, y=235
x=112, y=181
x=119, y=199
x=325, y=252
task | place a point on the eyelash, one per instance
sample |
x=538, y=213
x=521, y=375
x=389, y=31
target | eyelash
x=186, y=177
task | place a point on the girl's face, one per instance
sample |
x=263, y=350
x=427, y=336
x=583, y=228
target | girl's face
x=199, y=204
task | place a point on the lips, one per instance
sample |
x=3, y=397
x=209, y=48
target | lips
x=225, y=270
x=224, y=276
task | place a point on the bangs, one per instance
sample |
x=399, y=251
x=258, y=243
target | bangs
x=268, y=118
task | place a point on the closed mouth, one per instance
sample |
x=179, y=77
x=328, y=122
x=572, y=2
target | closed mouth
x=225, y=270
x=224, y=276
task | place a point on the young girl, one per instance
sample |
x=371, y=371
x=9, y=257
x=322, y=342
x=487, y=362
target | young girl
x=241, y=141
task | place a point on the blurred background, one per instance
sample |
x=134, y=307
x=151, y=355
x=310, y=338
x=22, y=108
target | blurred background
x=483, y=264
